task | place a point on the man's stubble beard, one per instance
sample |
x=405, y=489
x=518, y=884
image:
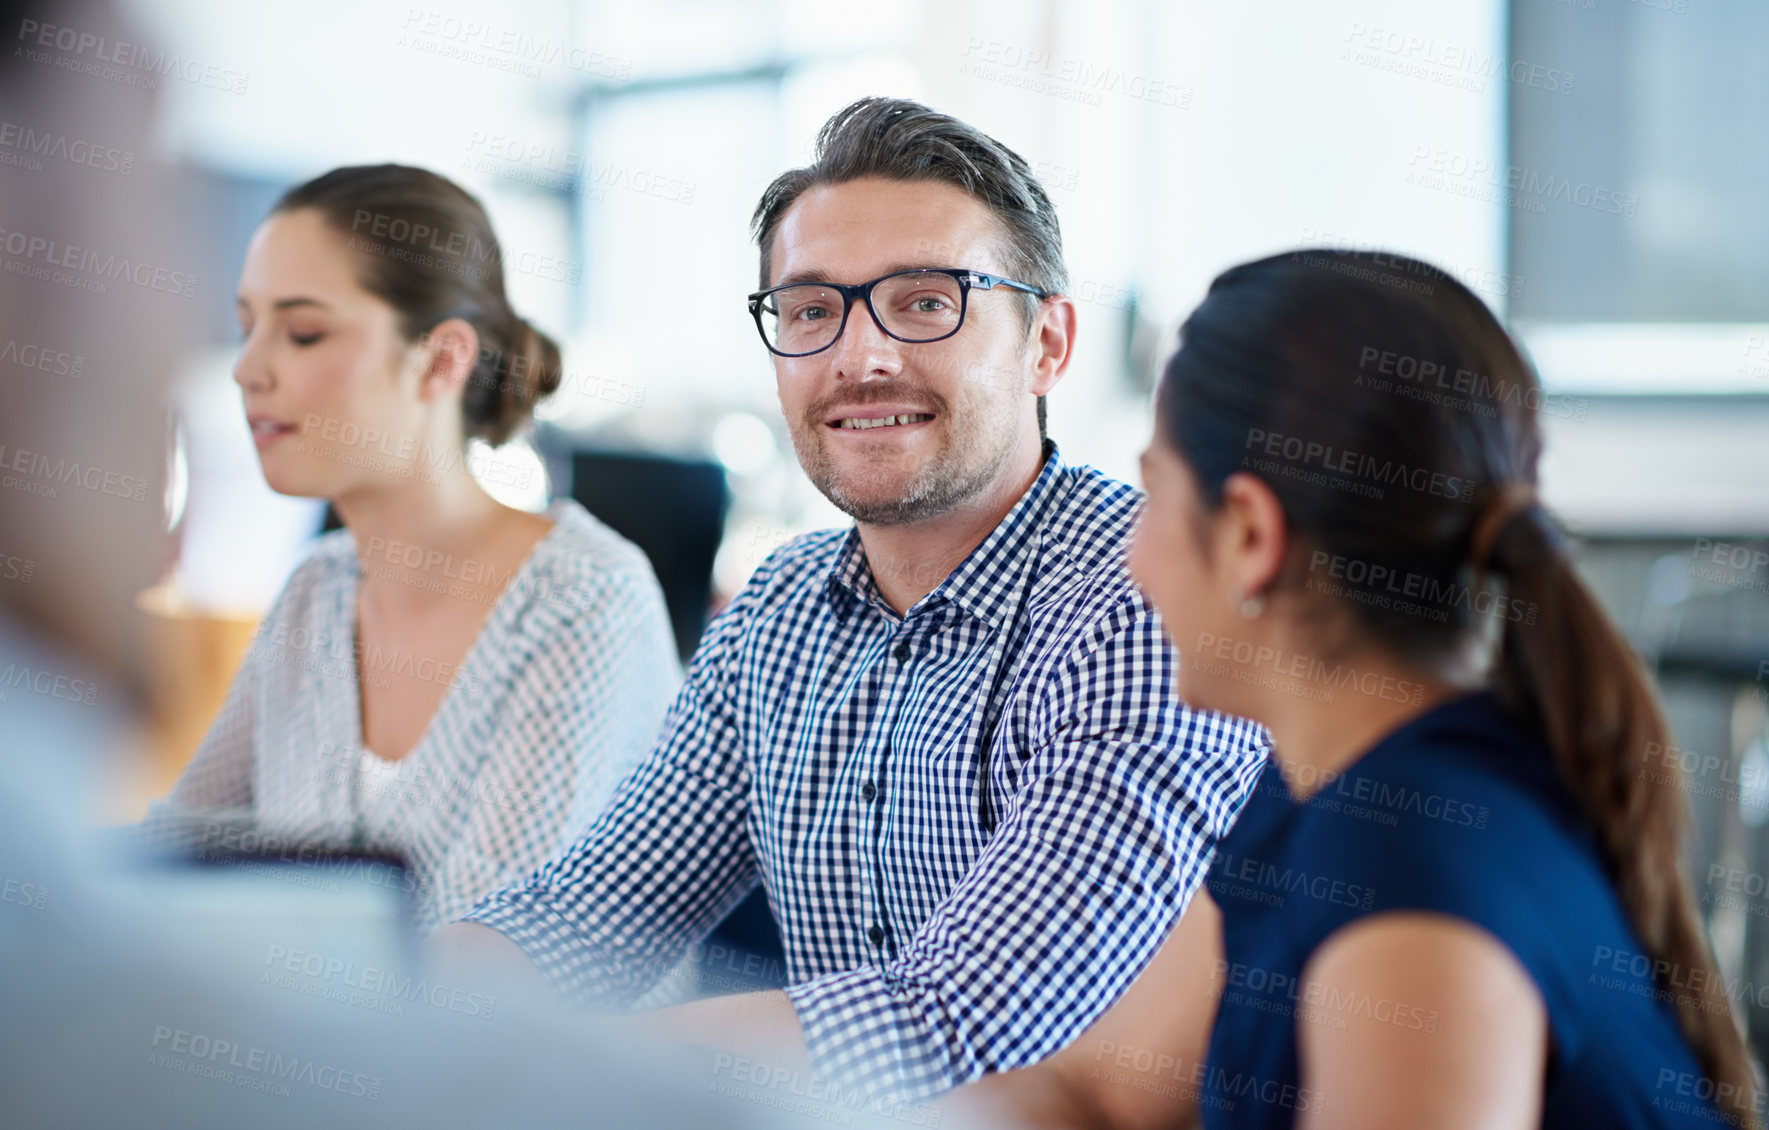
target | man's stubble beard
x=963, y=467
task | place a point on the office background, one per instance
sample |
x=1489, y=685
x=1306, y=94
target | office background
x=1594, y=169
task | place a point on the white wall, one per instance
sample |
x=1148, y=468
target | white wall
x=1176, y=138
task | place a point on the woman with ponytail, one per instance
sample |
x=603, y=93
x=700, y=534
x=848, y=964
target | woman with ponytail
x=446, y=678
x=1455, y=897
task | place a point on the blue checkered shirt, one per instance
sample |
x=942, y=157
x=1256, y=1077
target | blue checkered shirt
x=832, y=749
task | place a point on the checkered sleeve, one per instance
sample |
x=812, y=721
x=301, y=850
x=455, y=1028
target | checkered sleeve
x=612, y=913
x=586, y=711
x=1116, y=808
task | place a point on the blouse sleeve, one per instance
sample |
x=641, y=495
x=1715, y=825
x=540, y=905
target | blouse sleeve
x=219, y=775
x=585, y=711
x=218, y=780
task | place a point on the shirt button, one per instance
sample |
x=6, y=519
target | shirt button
x=903, y=652
x=868, y=791
x=875, y=935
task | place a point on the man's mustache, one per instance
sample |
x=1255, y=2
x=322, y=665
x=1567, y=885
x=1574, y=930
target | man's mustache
x=876, y=394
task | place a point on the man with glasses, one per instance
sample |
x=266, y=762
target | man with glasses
x=945, y=739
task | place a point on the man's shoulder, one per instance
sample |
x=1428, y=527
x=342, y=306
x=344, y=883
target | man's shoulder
x=800, y=565
x=1086, y=537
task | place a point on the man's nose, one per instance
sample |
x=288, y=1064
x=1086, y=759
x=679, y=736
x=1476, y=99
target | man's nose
x=864, y=350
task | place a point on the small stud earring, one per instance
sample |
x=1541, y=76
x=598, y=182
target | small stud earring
x=1252, y=606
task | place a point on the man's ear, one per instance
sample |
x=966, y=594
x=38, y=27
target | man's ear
x=449, y=353
x=1053, y=342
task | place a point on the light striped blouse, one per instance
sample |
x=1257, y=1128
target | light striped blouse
x=562, y=692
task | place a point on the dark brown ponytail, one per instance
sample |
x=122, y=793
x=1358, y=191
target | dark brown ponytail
x=1571, y=670
x=426, y=248
x=1397, y=423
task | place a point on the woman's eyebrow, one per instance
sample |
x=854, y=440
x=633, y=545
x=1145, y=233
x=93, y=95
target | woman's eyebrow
x=285, y=303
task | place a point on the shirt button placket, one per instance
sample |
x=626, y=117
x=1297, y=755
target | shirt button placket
x=902, y=653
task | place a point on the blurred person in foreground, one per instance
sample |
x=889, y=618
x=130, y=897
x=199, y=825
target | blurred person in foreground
x=945, y=739
x=1455, y=897
x=115, y=1011
x=447, y=678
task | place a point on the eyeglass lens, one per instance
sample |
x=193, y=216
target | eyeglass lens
x=919, y=306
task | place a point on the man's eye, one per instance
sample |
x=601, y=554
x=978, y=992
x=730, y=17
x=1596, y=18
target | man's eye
x=811, y=313
x=926, y=302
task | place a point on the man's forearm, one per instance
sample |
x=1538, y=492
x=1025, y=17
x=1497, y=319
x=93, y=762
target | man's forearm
x=469, y=953
x=763, y=1027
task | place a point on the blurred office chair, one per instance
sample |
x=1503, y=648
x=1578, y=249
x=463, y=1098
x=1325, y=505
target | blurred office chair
x=674, y=510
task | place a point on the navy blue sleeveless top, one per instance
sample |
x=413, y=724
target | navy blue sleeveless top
x=1459, y=812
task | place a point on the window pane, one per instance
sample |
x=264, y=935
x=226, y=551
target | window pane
x=1639, y=195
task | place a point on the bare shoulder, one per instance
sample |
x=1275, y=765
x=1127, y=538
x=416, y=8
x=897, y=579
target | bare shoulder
x=1441, y=1026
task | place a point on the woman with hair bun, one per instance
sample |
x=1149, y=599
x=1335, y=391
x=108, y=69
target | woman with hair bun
x=446, y=677
x=1455, y=895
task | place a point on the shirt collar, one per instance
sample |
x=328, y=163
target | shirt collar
x=987, y=582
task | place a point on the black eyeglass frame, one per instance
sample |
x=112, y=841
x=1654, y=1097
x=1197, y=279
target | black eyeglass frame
x=863, y=291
